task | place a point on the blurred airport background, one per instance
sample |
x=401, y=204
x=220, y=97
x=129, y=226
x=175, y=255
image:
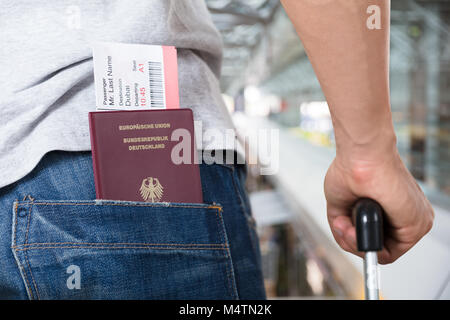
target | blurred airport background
x=268, y=82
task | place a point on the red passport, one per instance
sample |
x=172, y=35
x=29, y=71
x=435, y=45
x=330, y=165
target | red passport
x=135, y=156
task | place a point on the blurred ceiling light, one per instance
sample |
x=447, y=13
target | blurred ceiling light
x=252, y=94
x=315, y=109
x=229, y=102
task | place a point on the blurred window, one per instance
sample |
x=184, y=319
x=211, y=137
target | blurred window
x=263, y=52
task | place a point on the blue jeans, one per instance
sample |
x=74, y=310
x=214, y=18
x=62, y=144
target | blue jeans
x=58, y=242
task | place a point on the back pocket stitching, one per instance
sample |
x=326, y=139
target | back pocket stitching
x=30, y=246
x=122, y=243
x=16, y=205
x=22, y=269
x=26, y=254
x=116, y=247
x=230, y=273
x=38, y=245
x=219, y=220
x=20, y=262
x=105, y=203
x=31, y=273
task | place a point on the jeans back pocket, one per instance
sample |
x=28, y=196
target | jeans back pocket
x=104, y=249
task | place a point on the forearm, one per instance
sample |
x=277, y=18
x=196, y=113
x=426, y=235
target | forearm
x=352, y=65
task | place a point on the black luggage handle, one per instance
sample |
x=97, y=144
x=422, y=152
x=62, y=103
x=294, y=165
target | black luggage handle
x=367, y=217
x=368, y=220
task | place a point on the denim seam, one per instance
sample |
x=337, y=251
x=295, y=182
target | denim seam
x=117, y=247
x=125, y=205
x=26, y=253
x=251, y=224
x=227, y=254
x=238, y=193
x=16, y=257
x=16, y=205
x=123, y=243
x=28, y=224
x=250, y=220
x=24, y=276
x=29, y=270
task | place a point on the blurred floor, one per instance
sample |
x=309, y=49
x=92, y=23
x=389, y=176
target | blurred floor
x=294, y=213
x=291, y=267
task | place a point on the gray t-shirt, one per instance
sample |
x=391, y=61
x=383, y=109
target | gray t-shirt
x=46, y=69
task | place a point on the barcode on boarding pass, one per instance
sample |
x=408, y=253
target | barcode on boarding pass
x=156, y=83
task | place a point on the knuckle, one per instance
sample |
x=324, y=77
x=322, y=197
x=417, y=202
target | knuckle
x=361, y=173
x=430, y=222
x=387, y=261
x=344, y=246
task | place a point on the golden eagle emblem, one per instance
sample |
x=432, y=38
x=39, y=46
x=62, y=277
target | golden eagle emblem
x=151, y=190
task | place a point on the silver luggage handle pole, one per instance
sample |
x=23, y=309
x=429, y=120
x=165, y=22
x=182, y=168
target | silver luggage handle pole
x=368, y=220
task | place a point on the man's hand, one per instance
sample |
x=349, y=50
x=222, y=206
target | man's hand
x=408, y=214
x=351, y=62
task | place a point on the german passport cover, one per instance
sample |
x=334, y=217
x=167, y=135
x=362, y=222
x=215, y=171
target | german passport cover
x=136, y=156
